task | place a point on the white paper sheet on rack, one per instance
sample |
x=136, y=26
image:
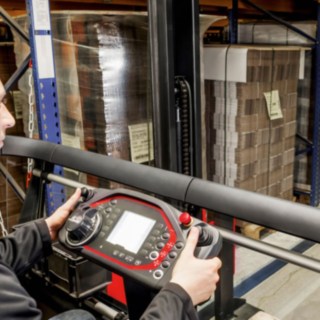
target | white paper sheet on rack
x=225, y=64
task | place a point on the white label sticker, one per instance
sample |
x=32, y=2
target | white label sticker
x=41, y=14
x=273, y=104
x=44, y=57
x=141, y=142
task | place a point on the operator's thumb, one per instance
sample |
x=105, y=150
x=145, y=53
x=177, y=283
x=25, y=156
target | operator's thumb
x=191, y=242
x=73, y=200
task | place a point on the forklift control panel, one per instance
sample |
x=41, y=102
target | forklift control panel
x=134, y=234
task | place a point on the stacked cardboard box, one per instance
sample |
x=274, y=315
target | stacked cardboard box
x=270, y=33
x=251, y=100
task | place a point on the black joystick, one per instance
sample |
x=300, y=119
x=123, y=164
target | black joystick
x=86, y=193
x=205, y=235
x=82, y=226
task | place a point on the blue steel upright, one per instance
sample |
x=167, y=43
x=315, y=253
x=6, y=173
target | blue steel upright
x=45, y=87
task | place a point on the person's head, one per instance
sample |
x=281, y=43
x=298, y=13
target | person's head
x=6, y=119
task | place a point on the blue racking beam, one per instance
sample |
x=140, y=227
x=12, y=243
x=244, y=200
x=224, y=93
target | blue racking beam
x=45, y=87
x=233, y=22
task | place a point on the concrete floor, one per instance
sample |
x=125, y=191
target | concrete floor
x=291, y=293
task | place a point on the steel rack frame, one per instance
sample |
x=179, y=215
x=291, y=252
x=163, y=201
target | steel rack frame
x=174, y=49
x=41, y=47
x=45, y=87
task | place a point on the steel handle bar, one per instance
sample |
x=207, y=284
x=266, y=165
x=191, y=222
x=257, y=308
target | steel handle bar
x=259, y=246
x=282, y=215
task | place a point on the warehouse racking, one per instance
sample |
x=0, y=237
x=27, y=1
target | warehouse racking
x=170, y=32
x=172, y=25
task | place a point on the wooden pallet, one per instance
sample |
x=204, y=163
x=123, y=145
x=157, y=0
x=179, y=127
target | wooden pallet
x=253, y=231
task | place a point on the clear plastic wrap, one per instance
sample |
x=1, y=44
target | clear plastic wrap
x=268, y=32
x=102, y=72
x=102, y=81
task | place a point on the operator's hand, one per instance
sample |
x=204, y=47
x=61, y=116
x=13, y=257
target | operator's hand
x=198, y=277
x=58, y=218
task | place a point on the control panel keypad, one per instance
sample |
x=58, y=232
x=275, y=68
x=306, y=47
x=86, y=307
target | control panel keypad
x=133, y=234
x=151, y=249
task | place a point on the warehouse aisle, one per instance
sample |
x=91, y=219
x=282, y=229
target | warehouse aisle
x=291, y=293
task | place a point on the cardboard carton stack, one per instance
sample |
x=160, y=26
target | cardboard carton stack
x=276, y=34
x=251, y=100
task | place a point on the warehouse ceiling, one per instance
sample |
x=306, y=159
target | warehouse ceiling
x=295, y=9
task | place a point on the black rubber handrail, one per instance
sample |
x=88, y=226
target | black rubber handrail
x=282, y=215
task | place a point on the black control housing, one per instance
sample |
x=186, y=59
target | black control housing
x=133, y=234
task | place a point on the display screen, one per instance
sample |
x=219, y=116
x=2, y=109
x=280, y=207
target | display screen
x=131, y=231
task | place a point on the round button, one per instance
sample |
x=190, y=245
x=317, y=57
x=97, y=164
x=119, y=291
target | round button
x=173, y=254
x=153, y=255
x=165, y=264
x=156, y=232
x=166, y=236
x=105, y=228
x=109, y=223
x=185, y=219
x=158, y=274
x=143, y=252
x=179, y=245
x=148, y=245
x=160, y=245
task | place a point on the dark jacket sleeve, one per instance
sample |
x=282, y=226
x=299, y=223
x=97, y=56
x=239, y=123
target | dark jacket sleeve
x=15, y=302
x=171, y=303
x=22, y=248
x=18, y=251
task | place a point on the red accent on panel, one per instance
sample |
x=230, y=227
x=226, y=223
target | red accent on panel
x=116, y=289
x=204, y=215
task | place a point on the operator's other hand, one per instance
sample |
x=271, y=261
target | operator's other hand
x=58, y=218
x=198, y=277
